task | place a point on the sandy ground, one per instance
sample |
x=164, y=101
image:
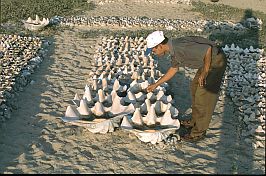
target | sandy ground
x=35, y=140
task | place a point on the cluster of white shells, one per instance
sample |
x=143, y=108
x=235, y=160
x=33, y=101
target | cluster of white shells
x=19, y=56
x=245, y=83
x=118, y=83
x=168, y=24
x=187, y=2
x=35, y=24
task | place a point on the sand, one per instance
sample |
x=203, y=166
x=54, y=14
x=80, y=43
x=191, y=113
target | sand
x=35, y=140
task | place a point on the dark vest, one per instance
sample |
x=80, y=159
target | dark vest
x=190, y=51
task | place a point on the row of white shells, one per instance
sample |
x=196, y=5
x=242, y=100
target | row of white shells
x=19, y=57
x=245, y=83
x=169, y=24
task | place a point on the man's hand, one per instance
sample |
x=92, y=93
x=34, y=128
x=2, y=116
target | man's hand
x=202, y=78
x=169, y=74
x=151, y=87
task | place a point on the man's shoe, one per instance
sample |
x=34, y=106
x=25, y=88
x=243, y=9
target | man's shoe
x=189, y=138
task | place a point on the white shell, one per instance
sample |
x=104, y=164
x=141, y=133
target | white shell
x=83, y=108
x=137, y=117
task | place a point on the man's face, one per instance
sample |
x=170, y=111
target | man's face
x=158, y=50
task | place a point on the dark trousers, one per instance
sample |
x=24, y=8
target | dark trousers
x=204, y=99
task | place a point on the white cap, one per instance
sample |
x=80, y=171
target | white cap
x=153, y=40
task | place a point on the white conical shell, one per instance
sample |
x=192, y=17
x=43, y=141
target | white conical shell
x=133, y=83
x=100, y=96
x=232, y=46
x=160, y=107
x=87, y=94
x=135, y=87
x=125, y=123
x=151, y=117
x=95, y=84
x=127, y=60
x=119, y=62
x=135, y=75
x=95, y=77
x=140, y=96
x=152, y=73
x=37, y=19
x=116, y=85
x=226, y=48
x=144, y=84
x=173, y=110
x=71, y=112
x=151, y=80
x=109, y=77
x=259, y=129
x=151, y=96
x=137, y=117
x=152, y=65
x=122, y=88
x=130, y=98
x=29, y=20
x=145, y=59
x=104, y=84
x=108, y=66
x=99, y=63
x=118, y=108
x=83, y=108
x=45, y=22
x=160, y=95
x=98, y=109
x=169, y=99
x=145, y=107
x=102, y=75
x=167, y=120
x=113, y=94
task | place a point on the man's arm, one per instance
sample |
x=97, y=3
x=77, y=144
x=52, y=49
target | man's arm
x=169, y=74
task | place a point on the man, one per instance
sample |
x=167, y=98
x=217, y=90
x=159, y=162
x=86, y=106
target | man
x=193, y=52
